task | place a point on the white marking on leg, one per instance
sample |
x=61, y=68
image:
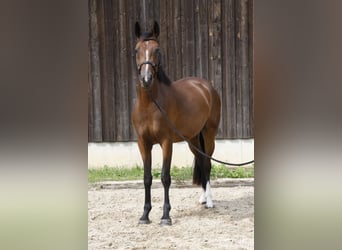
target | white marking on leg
x=202, y=199
x=208, y=196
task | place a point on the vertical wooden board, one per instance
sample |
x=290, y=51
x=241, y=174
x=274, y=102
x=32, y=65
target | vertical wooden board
x=90, y=106
x=137, y=7
x=142, y=14
x=217, y=49
x=156, y=11
x=238, y=70
x=231, y=63
x=97, y=88
x=224, y=56
x=132, y=71
x=94, y=89
x=177, y=40
x=189, y=39
x=99, y=16
x=90, y=115
x=204, y=38
x=229, y=90
x=165, y=42
x=108, y=112
x=115, y=68
x=182, y=38
x=121, y=83
x=163, y=37
x=228, y=66
x=217, y=43
x=149, y=8
x=197, y=39
x=90, y=109
x=91, y=38
x=214, y=60
x=251, y=64
x=171, y=58
x=101, y=38
x=211, y=49
x=244, y=67
x=149, y=13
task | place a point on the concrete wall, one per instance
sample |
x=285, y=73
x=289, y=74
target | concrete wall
x=127, y=154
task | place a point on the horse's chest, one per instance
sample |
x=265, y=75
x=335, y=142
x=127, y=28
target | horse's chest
x=148, y=124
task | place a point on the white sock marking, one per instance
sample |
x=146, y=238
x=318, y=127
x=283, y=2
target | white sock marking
x=208, y=195
x=202, y=199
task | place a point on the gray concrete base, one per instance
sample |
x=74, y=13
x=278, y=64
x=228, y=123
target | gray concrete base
x=127, y=154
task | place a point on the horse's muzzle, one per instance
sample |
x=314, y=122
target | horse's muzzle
x=146, y=81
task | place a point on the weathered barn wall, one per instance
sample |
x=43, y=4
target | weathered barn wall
x=209, y=39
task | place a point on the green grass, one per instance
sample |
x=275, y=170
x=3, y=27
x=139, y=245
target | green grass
x=115, y=174
x=178, y=174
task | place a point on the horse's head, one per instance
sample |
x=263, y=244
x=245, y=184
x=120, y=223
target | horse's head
x=147, y=55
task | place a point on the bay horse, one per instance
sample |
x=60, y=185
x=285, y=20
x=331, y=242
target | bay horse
x=191, y=104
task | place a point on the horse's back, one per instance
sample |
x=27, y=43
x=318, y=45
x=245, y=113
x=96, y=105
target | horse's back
x=213, y=97
x=195, y=88
x=196, y=102
x=193, y=81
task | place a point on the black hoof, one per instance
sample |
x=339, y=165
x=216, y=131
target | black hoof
x=165, y=222
x=141, y=221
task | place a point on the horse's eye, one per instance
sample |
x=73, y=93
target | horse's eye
x=135, y=51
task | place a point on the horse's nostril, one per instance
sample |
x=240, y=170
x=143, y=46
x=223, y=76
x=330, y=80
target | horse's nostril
x=147, y=78
x=146, y=81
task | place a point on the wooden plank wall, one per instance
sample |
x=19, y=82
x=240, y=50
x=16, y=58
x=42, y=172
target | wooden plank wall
x=212, y=39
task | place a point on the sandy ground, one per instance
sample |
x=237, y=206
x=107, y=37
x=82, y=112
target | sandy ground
x=113, y=216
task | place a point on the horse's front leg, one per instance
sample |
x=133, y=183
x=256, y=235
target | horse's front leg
x=166, y=180
x=145, y=151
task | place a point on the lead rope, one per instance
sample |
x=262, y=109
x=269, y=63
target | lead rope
x=185, y=139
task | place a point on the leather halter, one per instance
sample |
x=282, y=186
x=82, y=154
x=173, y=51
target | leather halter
x=154, y=66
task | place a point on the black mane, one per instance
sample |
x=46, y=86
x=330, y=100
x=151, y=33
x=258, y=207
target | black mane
x=162, y=76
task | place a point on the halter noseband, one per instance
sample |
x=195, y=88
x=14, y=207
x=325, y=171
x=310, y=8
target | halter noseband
x=150, y=63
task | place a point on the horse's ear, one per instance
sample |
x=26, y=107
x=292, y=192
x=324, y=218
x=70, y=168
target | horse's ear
x=155, y=29
x=137, y=30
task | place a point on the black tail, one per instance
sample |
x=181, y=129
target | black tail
x=199, y=161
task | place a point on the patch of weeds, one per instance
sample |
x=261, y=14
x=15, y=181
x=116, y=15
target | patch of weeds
x=222, y=171
x=181, y=174
x=178, y=174
x=115, y=174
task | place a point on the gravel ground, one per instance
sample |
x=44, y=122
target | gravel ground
x=113, y=215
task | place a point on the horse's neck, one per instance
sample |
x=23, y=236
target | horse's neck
x=145, y=96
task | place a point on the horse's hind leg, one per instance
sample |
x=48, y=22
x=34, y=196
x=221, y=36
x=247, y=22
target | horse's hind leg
x=198, y=160
x=202, y=168
x=209, y=141
x=207, y=136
